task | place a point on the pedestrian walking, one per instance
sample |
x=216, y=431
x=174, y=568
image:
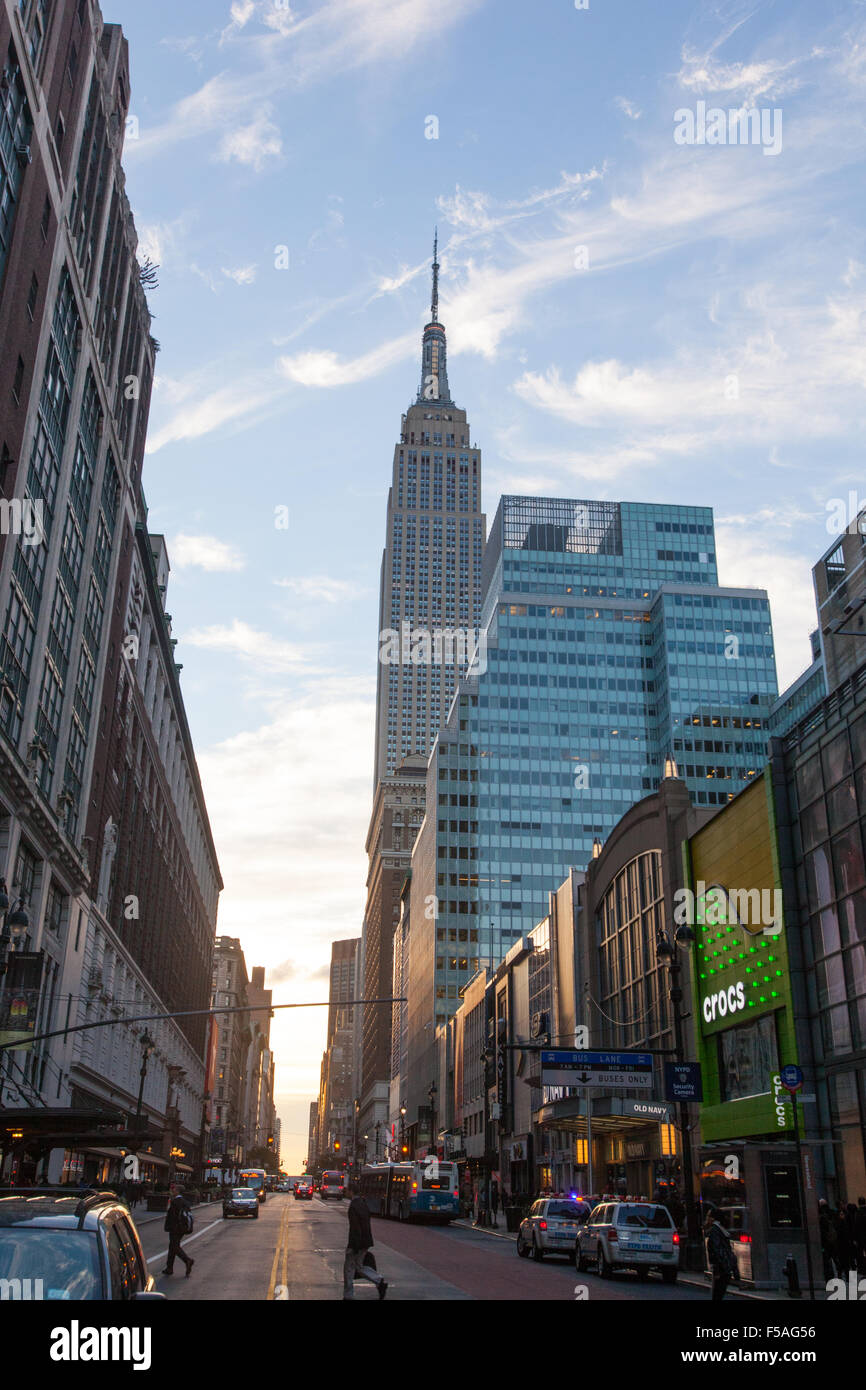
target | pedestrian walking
x=846, y=1250
x=860, y=1234
x=178, y=1223
x=677, y=1209
x=721, y=1257
x=358, y=1249
x=481, y=1207
x=494, y=1199
x=827, y=1230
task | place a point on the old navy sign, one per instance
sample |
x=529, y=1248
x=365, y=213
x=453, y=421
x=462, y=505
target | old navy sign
x=630, y=1070
x=645, y=1110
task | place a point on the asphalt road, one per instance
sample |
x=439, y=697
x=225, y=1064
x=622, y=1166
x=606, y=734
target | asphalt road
x=294, y=1250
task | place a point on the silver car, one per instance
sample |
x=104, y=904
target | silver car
x=550, y=1228
x=630, y=1235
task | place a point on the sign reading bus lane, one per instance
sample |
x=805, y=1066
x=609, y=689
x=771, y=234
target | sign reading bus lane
x=630, y=1070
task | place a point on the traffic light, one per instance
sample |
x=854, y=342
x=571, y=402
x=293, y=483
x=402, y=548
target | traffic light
x=404, y=1150
x=337, y=1146
x=270, y=1141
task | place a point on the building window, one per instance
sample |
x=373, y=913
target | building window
x=16, y=128
x=18, y=382
x=26, y=870
x=55, y=911
x=34, y=19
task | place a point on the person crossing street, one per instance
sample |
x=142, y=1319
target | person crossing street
x=358, y=1248
x=178, y=1223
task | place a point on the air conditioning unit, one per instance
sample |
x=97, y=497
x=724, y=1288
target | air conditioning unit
x=23, y=155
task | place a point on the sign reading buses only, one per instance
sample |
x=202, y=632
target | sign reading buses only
x=629, y=1070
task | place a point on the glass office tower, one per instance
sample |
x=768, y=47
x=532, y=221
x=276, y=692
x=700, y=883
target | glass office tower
x=610, y=648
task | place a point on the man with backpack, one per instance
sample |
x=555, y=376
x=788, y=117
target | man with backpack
x=178, y=1223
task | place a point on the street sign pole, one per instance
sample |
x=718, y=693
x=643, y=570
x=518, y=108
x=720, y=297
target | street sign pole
x=588, y=1094
x=796, y=1109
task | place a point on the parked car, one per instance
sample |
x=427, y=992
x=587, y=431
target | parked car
x=630, y=1235
x=241, y=1201
x=550, y=1228
x=57, y=1245
x=304, y=1190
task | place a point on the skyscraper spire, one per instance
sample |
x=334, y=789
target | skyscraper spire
x=434, y=373
x=434, y=308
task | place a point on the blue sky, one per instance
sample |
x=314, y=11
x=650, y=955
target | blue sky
x=706, y=345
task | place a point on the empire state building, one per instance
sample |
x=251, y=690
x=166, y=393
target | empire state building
x=431, y=567
x=431, y=583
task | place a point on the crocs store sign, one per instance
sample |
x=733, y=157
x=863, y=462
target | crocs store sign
x=726, y=1001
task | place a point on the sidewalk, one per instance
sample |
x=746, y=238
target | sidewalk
x=694, y=1280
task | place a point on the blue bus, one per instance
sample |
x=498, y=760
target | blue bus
x=412, y=1191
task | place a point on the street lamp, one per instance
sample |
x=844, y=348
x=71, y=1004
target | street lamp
x=15, y=924
x=147, y=1046
x=432, y=1098
x=14, y=930
x=667, y=951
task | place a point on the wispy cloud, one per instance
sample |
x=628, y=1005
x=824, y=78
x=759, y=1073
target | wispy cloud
x=795, y=372
x=241, y=13
x=746, y=82
x=320, y=588
x=204, y=552
x=255, y=144
x=339, y=36
x=294, y=859
x=629, y=109
x=205, y=408
x=244, y=275
x=260, y=650
x=324, y=368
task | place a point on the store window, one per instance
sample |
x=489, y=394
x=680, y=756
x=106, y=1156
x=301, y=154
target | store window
x=818, y=879
x=841, y=805
x=809, y=782
x=848, y=861
x=783, y=1197
x=837, y=759
x=748, y=1057
x=858, y=740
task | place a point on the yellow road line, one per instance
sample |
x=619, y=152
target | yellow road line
x=282, y=1240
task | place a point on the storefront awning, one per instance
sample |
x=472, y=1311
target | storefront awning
x=105, y=1153
x=609, y=1113
x=182, y=1168
x=155, y=1159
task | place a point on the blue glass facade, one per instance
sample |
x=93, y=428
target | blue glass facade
x=610, y=647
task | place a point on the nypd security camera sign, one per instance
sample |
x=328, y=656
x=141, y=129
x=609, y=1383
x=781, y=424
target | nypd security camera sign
x=792, y=1078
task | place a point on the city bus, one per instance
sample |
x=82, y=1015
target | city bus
x=333, y=1184
x=412, y=1191
x=255, y=1178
